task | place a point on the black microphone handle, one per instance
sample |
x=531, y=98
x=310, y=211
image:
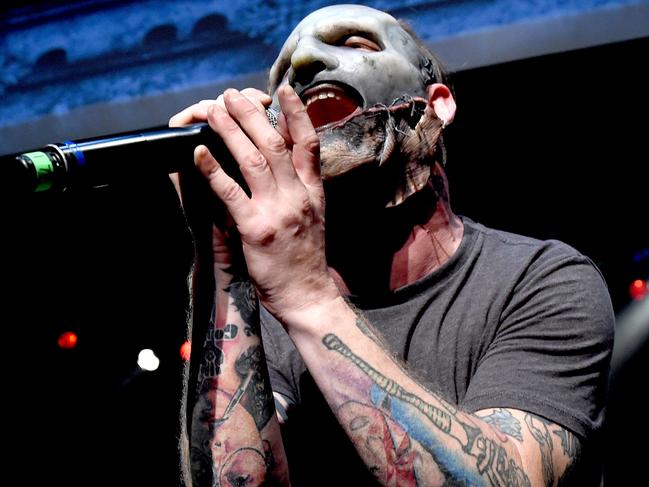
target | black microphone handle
x=101, y=161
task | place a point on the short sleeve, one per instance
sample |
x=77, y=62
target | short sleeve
x=552, y=350
x=284, y=362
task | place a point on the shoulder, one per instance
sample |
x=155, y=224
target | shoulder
x=529, y=253
x=509, y=241
x=547, y=282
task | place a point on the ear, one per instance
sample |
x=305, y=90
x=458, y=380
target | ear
x=441, y=101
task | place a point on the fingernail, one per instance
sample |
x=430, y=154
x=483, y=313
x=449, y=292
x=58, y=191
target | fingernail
x=201, y=153
x=232, y=93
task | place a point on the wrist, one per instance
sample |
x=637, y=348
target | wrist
x=317, y=318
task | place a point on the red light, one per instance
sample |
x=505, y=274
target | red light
x=67, y=340
x=186, y=350
x=638, y=289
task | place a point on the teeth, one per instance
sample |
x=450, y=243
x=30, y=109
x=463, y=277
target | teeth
x=322, y=96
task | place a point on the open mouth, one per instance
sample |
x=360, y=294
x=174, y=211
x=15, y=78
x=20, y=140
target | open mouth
x=328, y=103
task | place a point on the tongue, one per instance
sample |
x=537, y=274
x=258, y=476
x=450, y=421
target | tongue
x=328, y=110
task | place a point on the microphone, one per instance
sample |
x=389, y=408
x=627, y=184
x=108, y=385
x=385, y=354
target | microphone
x=101, y=161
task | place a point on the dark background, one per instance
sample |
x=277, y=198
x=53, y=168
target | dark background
x=552, y=147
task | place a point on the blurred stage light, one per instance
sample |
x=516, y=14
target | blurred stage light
x=638, y=289
x=186, y=350
x=147, y=360
x=67, y=340
x=631, y=333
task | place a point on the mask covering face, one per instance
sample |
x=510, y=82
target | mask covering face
x=362, y=80
x=399, y=140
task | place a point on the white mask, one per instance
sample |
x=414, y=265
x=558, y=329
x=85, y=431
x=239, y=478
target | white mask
x=359, y=73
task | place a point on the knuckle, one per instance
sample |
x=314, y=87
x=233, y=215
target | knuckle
x=294, y=226
x=213, y=109
x=198, y=114
x=303, y=204
x=275, y=144
x=230, y=192
x=249, y=109
x=312, y=143
x=299, y=216
x=256, y=160
x=224, y=122
x=300, y=110
x=266, y=235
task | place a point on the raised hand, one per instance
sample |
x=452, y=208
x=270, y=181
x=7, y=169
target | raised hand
x=207, y=218
x=282, y=223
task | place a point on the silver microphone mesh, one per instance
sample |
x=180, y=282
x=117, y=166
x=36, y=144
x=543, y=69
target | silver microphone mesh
x=272, y=115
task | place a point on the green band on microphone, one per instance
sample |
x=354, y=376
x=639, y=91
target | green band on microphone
x=44, y=169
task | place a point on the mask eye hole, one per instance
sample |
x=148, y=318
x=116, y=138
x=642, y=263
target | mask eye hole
x=360, y=42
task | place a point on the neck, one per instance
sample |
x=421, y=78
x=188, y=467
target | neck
x=374, y=252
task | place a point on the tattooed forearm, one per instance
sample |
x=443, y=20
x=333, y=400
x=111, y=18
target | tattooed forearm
x=247, y=305
x=259, y=400
x=230, y=429
x=226, y=445
x=539, y=429
x=569, y=443
x=210, y=365
x=245, y=301
x=571, y=448
x=505, y=422
x=367, y=330
x=490, y=460
x=440, y=418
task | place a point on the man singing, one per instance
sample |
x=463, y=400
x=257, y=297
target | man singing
x=396, y=342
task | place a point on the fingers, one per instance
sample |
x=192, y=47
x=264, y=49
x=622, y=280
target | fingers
x=242, y=127
x=265, y=141
x=265, y=161
x=226, y=188
x=258, y=98
x=252, y=163
x=193, y=114
x=198, y=112
x=306, y=144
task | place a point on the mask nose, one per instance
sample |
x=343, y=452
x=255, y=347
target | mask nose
x=309, y=58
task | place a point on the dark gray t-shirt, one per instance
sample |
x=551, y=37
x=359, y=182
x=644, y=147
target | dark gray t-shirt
x=507, y=321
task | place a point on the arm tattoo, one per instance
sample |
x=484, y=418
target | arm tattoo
x=210, y=365
x=245, y=301
x=505, y=422
x=226, y=442
x=568, y=443
x=539, y=429
x=251, y=366
x=490, y=459
x=571, y=447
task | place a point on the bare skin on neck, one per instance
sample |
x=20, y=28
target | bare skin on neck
x=430, y=243
x=381, y=252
